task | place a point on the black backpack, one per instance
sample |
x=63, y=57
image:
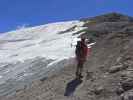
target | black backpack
x=79, y=49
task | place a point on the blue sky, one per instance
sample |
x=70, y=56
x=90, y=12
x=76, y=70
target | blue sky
x=17, y=13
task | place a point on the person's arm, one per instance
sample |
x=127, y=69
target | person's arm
x=91, y=44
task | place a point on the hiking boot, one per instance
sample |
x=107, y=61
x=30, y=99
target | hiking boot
x=79, y=77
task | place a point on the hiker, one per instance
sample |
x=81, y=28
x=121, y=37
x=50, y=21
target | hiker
x=81, y=55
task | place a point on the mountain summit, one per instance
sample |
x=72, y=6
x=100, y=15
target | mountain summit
x=111, y=17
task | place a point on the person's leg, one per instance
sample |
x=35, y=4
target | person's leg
x=81, y=69
x=78, y=69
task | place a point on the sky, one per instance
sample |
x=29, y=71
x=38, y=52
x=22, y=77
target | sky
x=15, y=14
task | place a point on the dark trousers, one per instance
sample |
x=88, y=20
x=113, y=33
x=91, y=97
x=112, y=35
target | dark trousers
x=79, y=68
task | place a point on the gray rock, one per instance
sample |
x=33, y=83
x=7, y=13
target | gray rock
x=127, y=96
x=117, y=68
x=98, y=90
x=89, y=75
x=127, y=84
x=119, y=91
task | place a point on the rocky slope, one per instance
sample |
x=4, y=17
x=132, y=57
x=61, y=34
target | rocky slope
x=108, y=72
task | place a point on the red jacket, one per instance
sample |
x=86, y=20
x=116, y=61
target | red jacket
x=85, y=51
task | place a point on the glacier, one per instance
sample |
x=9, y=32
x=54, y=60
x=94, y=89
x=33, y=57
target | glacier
x=29, y=54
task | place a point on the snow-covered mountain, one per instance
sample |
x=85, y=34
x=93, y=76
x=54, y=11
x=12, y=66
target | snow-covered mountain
x=29, y=53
